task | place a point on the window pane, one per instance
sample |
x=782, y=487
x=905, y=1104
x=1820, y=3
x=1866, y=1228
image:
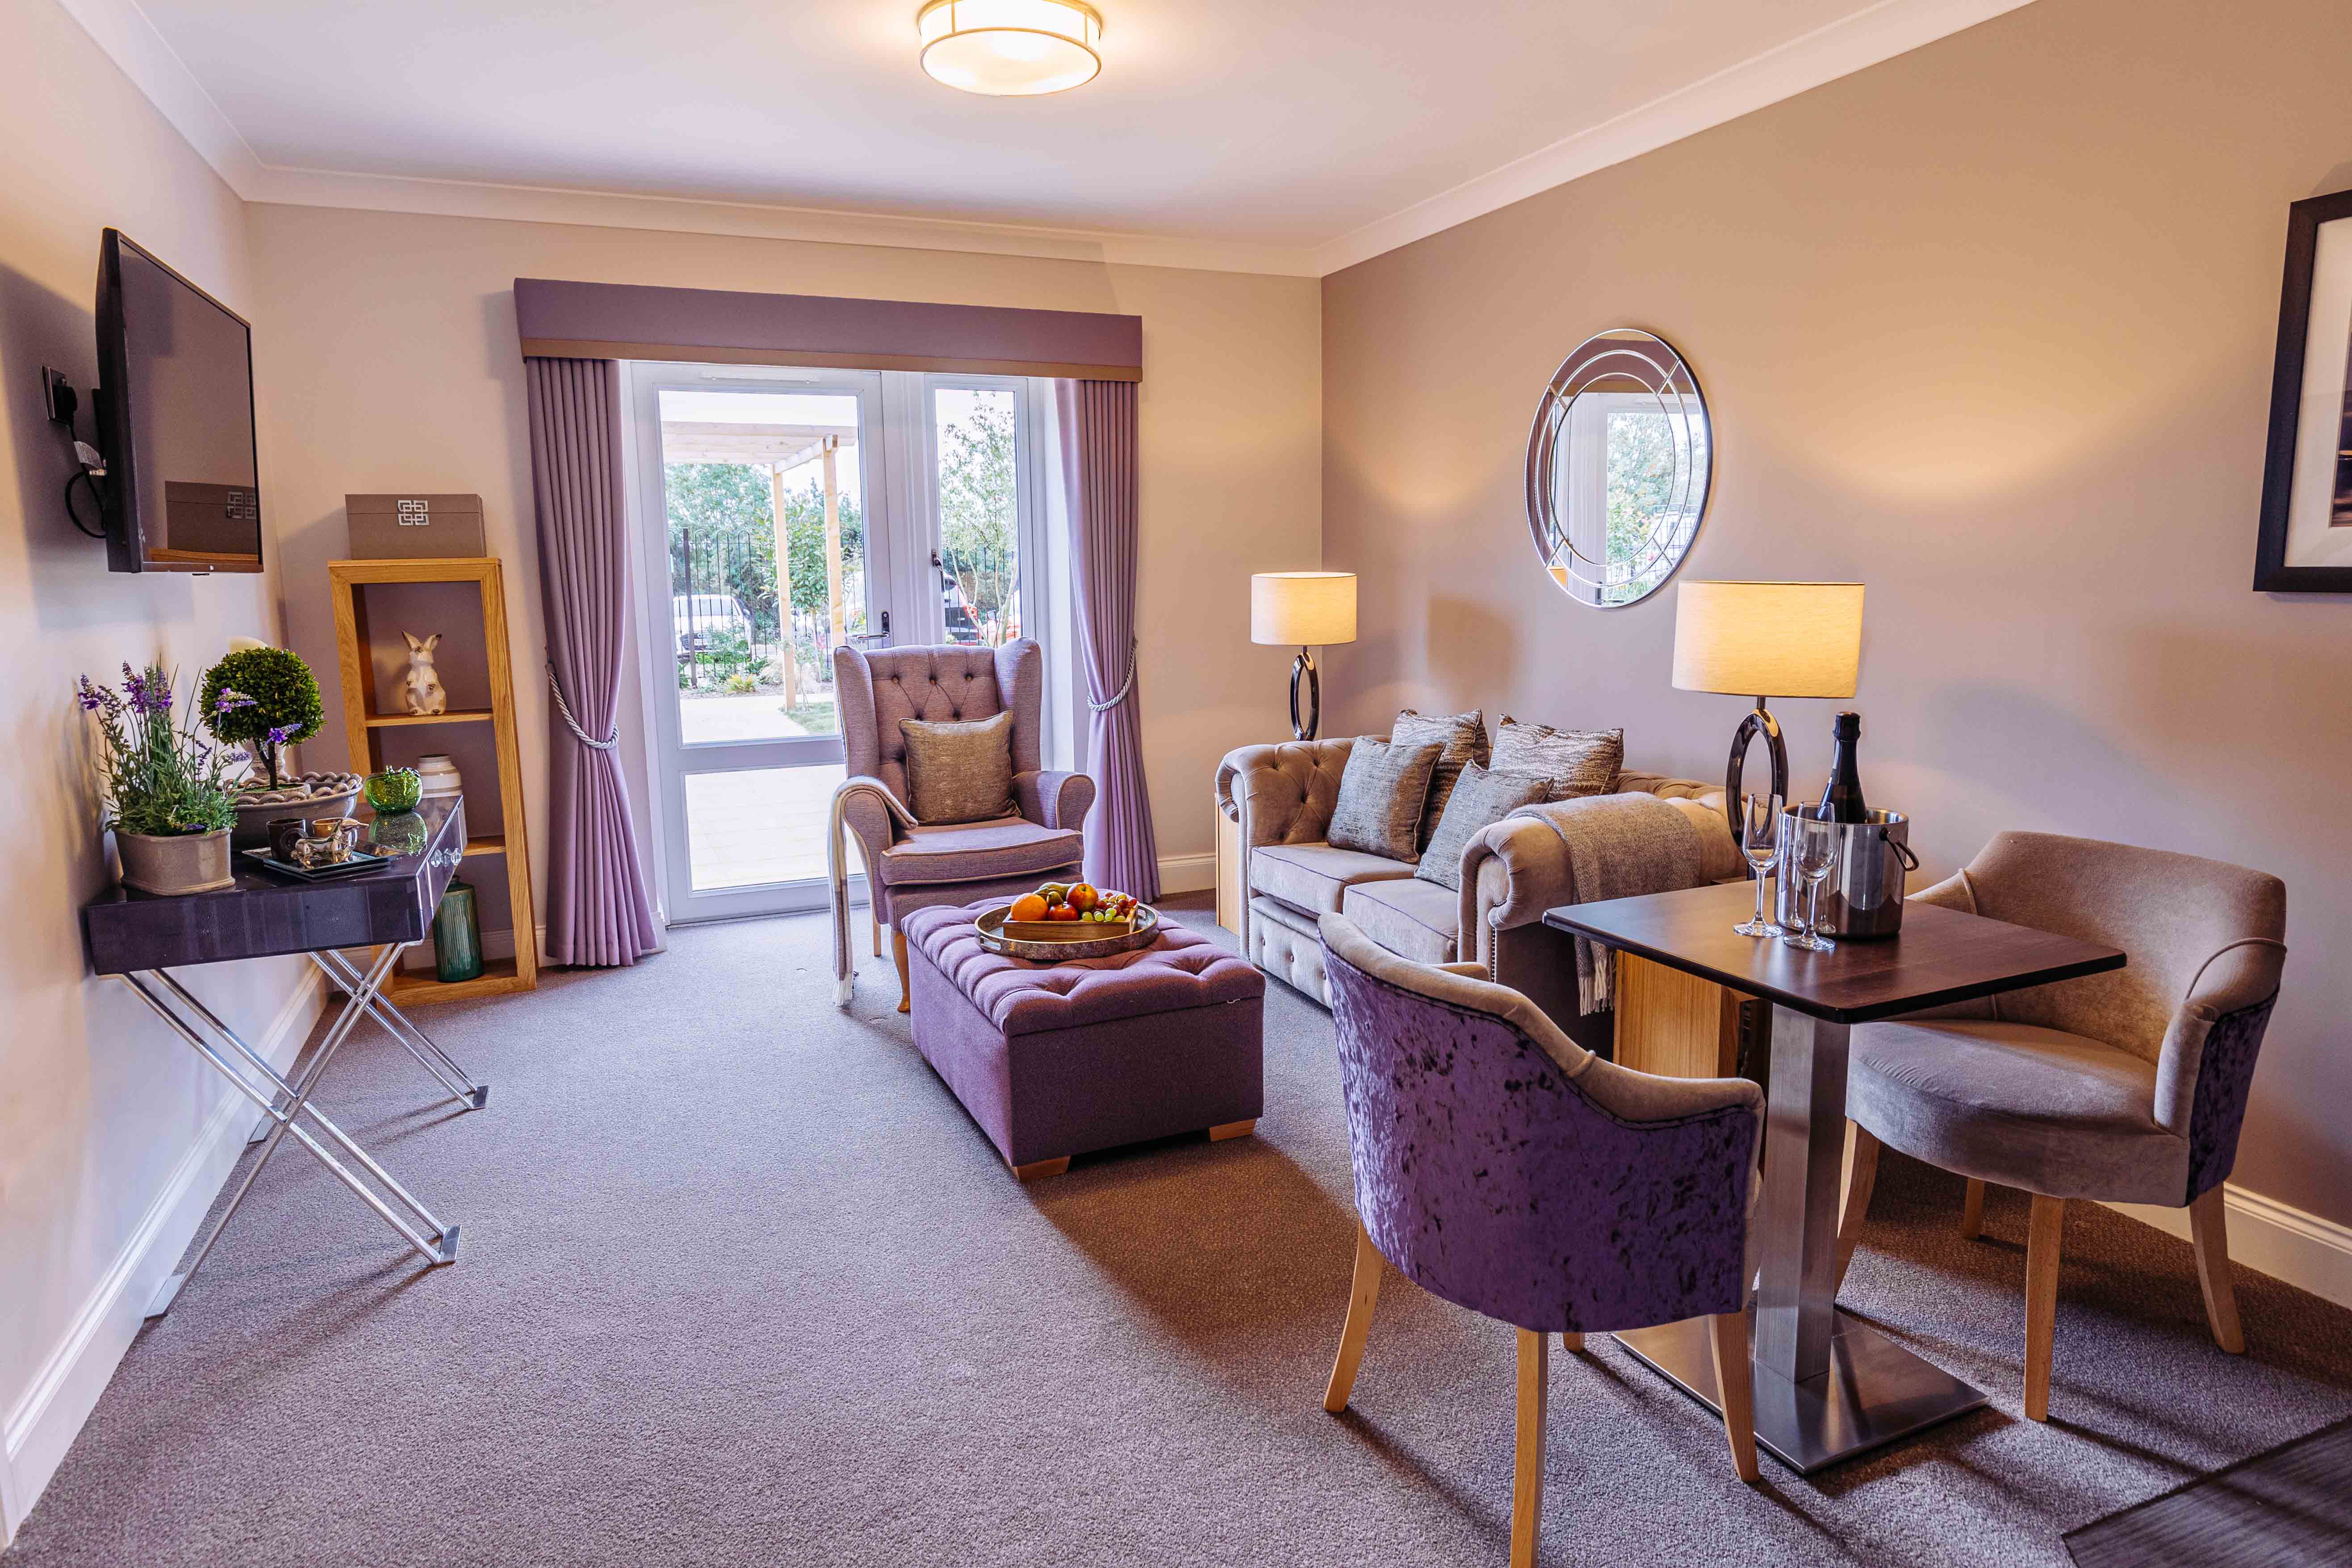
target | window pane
x=976, y=437
x=754, y=656
x=759, y=824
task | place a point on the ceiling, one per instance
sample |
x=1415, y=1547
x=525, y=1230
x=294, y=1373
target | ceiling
x=1282, y=135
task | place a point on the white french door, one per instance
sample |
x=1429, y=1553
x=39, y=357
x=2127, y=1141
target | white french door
x=782, y=513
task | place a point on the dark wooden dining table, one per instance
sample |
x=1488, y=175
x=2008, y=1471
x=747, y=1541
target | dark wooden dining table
x=1828, y=1386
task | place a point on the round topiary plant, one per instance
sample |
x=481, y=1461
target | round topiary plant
x=264, y=698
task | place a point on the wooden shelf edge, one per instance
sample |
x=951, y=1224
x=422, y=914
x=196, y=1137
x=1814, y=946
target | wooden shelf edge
x=455, y=716
x=498, y=976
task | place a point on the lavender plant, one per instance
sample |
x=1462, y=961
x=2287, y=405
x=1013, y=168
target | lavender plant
x=161, y=779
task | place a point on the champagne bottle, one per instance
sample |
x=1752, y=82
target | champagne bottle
x=1842, y=800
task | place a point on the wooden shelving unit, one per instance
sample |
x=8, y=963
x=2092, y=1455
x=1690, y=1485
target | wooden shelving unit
x=380, y=739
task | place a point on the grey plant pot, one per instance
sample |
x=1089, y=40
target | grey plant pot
x=175, y=862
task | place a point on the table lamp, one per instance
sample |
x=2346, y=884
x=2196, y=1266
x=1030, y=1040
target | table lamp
x=1761, y=640
x=1303, y=609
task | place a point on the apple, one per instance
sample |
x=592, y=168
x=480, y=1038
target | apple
x=1084, y=897
x=1061, y=913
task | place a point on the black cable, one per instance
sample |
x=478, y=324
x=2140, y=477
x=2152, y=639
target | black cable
x=82, y=475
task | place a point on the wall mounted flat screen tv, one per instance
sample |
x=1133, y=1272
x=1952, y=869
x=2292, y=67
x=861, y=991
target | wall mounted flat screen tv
x=183, y=489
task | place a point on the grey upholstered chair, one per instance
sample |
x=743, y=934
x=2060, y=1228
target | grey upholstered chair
x=2126, y=1086
x=910, y=866
x=1505, y=1168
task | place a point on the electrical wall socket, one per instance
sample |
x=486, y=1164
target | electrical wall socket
x=58, y=396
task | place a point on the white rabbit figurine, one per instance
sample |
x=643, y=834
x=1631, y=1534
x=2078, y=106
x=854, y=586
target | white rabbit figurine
x=422, y=691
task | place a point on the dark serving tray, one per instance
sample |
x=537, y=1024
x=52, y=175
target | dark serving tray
x=360, y=860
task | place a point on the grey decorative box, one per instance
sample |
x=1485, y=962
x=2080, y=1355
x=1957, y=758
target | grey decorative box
x=407, y=527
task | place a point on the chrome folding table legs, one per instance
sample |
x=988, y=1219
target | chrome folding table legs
x=453, y=1077
x=286, y=1104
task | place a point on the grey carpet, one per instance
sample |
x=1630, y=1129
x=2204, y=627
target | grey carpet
x=2288, y=1507
x=741, y=1284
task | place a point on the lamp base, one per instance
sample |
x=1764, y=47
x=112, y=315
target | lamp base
x=1304, y=665
x=1758, y=722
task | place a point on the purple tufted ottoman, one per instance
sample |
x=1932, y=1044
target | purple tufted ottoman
x=1057, y=1059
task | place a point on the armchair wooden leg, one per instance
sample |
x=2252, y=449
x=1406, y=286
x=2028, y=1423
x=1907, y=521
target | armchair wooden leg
x=1727, y=1334
x=2208, y=1228
x=1361, y=1296
x=1570, y=1342
x=1972, y=1211
x=1528, y=1473
x=898, y=956
x=2041, y=1244
x=1861, y=1176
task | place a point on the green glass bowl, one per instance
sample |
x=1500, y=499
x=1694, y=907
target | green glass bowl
x=394, y=789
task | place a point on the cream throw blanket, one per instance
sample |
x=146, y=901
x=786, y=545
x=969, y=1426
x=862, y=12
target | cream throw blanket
x=1619, y=847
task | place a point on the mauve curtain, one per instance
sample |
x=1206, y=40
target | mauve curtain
x=597, y=910
x=1099, y=484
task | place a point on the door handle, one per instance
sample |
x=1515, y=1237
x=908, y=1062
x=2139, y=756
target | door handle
x=882, y=635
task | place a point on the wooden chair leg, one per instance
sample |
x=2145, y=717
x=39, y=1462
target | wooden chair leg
x=1727, y=1334
x=1972, y=1211
x=1362, y=1297
x=1861, y=1176
x=2042, y=1244
x=1528, y=1473
x=2208, y=1228
x=898, y=956
x=1570, y=1342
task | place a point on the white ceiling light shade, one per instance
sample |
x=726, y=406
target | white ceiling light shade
x=1009, y=48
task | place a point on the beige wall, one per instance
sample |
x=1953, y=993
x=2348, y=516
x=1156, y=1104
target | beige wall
x=100, y=1106
x=1988, y=327
x=388, y=361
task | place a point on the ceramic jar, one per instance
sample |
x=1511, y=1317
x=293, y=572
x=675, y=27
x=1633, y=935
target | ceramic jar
x=440, y=776
x=175, y=862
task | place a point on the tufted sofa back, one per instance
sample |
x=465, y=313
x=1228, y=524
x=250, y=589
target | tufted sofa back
x=939, y=684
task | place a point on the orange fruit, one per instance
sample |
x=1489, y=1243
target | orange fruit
x=1027, y=907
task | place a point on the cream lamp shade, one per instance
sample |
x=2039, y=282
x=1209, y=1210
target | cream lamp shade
x=1768, y=639
x=1303, y=609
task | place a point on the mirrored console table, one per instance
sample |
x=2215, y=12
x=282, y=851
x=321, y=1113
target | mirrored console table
x=141, y=938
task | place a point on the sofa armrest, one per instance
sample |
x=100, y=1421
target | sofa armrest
x=1282, y=794
x=1512, y=871
x=1057, y=800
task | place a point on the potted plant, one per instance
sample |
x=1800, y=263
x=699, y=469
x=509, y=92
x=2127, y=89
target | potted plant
x=281, y=706
x=170, y=793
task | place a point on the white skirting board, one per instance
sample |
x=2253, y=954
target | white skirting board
x=2275, y=1238
x=43, y=1426
x=1187, y=873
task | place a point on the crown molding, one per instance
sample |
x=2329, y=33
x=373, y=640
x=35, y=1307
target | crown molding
x=122, y=30
x=1851, y=44
x=613, y=209
x=1839, y=48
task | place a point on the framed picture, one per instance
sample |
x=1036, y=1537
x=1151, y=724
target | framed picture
x=2306, y=538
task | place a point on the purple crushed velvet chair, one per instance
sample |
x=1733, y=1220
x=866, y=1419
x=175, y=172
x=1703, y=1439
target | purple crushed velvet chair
x=1502, y=1166
x=910, y=866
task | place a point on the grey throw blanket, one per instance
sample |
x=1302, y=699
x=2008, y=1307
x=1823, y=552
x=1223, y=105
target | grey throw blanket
x=1619, y=847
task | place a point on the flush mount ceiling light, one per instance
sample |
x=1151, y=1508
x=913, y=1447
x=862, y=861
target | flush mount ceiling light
x=1009, y=48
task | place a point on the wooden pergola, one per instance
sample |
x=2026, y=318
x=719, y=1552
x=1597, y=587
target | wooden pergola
x=779, y=448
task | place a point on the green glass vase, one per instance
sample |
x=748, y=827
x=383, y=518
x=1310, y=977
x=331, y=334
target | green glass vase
x=457, y=936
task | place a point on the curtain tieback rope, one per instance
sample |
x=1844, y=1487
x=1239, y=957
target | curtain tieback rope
x=1120, y=696
x=606, y=745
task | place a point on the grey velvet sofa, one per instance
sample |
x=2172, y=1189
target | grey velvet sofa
x=1281, y=797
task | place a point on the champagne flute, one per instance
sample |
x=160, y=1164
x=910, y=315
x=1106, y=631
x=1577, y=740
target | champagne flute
x=1759, y=841
x=1815, y=855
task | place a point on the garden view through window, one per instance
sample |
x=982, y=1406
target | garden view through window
x=776, y=508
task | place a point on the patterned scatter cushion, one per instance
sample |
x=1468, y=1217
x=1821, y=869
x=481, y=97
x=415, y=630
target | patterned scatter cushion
x=1577, y=761
x=1463, y=738
x=1383, y=795
x=959, y=771
x=1479, y=798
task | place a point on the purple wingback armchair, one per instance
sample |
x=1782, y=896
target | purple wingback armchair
x=1503, y=1167
x=910, y=866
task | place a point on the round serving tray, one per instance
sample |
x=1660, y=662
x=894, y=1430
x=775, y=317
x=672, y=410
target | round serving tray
x=990, y=927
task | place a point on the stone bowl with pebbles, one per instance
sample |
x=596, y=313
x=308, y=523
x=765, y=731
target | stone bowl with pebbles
x=305, y=795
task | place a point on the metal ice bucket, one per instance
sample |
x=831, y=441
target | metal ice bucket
x=1864, y=897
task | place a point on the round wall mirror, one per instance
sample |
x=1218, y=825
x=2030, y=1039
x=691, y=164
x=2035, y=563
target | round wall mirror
x=1618, y=468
